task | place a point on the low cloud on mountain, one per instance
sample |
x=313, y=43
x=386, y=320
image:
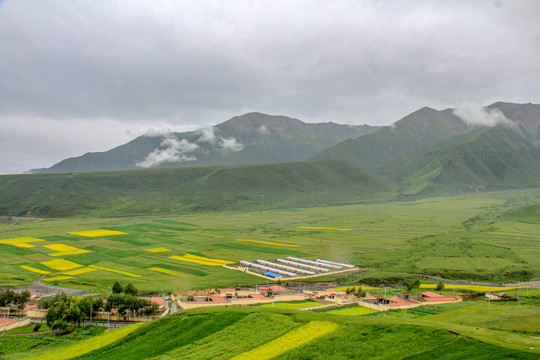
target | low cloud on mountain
x=474, y=114
x=171, y=150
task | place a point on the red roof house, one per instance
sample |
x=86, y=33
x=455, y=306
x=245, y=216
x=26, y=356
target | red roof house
x=218, y=299
x=158, y=300
x=429, y=296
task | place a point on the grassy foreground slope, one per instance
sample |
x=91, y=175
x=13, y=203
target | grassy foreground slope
x=164, y=191
x=237, y=333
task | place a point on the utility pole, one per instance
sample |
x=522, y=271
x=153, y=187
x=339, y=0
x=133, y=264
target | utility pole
x=489, y=299
x=5, y=325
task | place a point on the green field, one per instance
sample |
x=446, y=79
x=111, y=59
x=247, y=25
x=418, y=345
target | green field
x=292, y=304
x=473, y=237
x=231, y=332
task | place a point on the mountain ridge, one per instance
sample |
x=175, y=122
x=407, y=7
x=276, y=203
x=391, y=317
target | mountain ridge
x=246, y=139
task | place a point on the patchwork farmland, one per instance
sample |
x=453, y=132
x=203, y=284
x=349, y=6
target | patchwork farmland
x=151, y=254
x=187, y=252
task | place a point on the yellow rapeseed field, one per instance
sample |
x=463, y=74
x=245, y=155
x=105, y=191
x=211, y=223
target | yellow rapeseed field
x=115, y=271
x=36, y=270
x=169, y=272
x=60, y=264
x=289, y=341
x=290, y=242
x=21, y=242
x=156, y=250
x=88, y=345
x=79, y=271
x=63, y=250
x=478, y=288
x=59, y=277
x=322, y=228
x=219, y=261
x=196, y=261
x=97, y=233
x=266, y=242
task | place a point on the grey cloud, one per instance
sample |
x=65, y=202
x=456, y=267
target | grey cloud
x=171, y=150
x=475, y=114
x=173, y=64
x=207, y=135
x=230, y=144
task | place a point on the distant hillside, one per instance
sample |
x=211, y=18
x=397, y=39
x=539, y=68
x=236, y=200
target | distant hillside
x=252, y=138
x=418, y=131
x=183, y=190
x=432, y=152
x=526, y=214
x=496, y=158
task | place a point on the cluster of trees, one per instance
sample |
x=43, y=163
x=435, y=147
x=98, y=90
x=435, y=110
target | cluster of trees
x=125, y=301
x=129, y=289
x=410, y=284
x=64, y=310
x=355, y=291
x=13, y=299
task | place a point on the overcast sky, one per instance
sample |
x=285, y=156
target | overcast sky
x=80, y=76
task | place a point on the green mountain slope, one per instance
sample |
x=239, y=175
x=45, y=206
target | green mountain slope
x=495, y=158
x=252, y=138
x=410, y=136
x=181, y=190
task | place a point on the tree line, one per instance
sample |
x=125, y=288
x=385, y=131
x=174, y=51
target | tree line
x=65, y=310
x=12, y=299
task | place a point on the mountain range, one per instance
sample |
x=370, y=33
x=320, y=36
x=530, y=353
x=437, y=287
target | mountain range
x=252, y=138
x=262, y=161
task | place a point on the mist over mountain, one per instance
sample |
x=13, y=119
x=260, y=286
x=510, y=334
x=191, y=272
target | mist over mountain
x=417, y=132
x=429, y=152
x=470, y=148
x=253, y=138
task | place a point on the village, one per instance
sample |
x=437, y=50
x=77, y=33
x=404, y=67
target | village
x=327, y=297
x=314, y=298
x=125, y=305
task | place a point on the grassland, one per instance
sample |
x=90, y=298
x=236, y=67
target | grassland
x=291, y=334
x=292, y=304
x=473, y=237
x=188, y=190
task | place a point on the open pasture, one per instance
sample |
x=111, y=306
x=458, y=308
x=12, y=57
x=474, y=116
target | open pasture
x=261, y=333
x=461, y=237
